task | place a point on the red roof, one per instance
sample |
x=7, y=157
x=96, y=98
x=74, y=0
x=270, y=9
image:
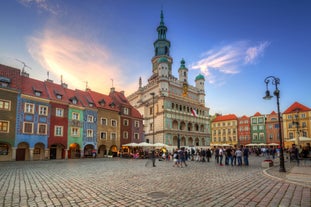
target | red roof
x=54, y=90
x=32, y=86
x=13, y=75
x=296, y=107
x=257, y=114
x=85, y=98
x=120, y=100
x=102, y=101
x=226, y=118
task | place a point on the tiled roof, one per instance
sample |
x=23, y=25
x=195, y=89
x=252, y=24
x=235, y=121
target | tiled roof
x=71, y=95
x=85, y=98
x=54, y=90
x=120, y=99
x=33, y=87
x=104, y=99
x=296, y=107
x=257, y=114
x=13, y=75
x=226, y=118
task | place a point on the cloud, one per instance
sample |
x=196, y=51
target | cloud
x=216, y=63
x=253, y=52
x=76, y=60
x=41, y=5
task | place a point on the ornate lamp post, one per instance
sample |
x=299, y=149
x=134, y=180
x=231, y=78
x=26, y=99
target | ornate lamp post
x=152, y=94
x=276, y=81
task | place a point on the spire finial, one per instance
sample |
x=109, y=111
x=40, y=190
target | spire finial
x=162, y=17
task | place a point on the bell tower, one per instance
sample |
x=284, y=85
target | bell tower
x=161, y=47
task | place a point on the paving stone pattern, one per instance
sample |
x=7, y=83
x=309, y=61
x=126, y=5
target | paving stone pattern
x=116, y=182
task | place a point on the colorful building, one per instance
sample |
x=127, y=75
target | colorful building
x=225, y=130
x=244, y=130
x=258, y=129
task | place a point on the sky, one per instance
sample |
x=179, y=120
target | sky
x=99, y=44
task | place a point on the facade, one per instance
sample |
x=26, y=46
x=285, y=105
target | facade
x=272, y=128
x=225, y=130
x=59, y=109
x=108, y=124
x=258, y=129
x=32, y=120
x=174, y=111
x=131, y=121
x=43, y=120
x=9, y=90
x=296, y=123
x=244, y=130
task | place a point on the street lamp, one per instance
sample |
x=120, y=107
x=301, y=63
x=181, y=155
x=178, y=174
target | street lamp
x=276, y=81
x=152, y=94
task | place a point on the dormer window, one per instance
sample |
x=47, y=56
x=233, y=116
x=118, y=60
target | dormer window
x=4, y=82
x=74, y=101
x=37, y=93
x=58, y=95
x=102, y=102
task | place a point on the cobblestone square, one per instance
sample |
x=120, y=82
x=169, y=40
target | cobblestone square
x=128, y=182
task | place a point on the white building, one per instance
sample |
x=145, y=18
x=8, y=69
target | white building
x=173, y=110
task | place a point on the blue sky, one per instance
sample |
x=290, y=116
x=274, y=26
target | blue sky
x=234, y=44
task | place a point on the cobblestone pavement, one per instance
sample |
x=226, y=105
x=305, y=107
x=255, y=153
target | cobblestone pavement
x=125, y=182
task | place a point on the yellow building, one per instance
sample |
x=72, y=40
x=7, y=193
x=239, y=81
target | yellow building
x=296, y=125
x=224, y=130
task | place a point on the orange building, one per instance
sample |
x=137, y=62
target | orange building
x=244, y=130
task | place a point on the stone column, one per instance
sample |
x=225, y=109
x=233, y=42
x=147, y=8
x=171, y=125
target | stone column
x=47, y=154
x=31, y=153
x=13, y=157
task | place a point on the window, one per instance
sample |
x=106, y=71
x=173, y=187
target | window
x=255, y=136
x=58, y=131
x=28, y=128
x=103, y=121
x=260, y=120
x=90, y=118
x=75, y=132
x=125, y=122
x=126, y=111
x=103, y=135
x=42, y=129
x=150, y=110
x=75, y=116
x=4, y=126
x=4, y=149
x=58, y=96
x=74, y=101
x=261, y=127
x=43, y=110
x=113, y=122
x=254, y=121
x=151, y=127
x=125, y=135
x=29, y=108
x=5, y=105
x=113, y=136
x=303, y=115
x=59, y=112
x=37, y=93
x=137, y=124
x=254, y=128
x=89, y=133
x=136, y=136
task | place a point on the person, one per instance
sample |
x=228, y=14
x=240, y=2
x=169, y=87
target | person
x=238, y=154
x=221, y=152
x=295, y=153
x=175, y=159
x=245, y=155
x=217, y=154
x=208, y=154
x=153, y=157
